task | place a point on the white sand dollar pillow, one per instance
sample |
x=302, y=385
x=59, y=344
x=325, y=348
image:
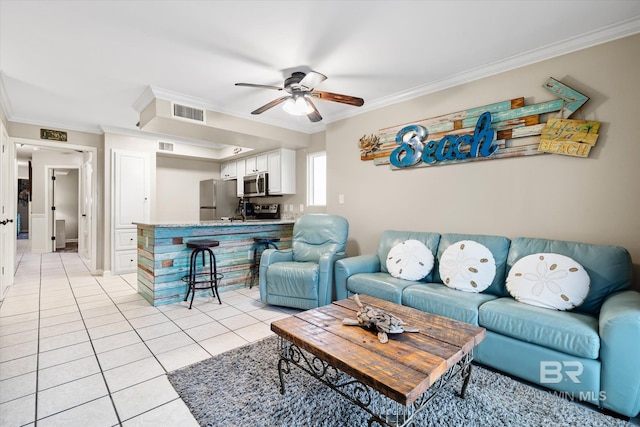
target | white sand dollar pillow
x=409, y=260
x=549, y=280
x=467, y=266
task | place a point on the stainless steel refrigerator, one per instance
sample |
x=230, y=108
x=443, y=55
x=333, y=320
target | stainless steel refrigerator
x=218, y=199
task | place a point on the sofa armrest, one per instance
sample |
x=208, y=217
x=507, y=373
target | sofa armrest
x=619, y=350
x=271, y=256
x=326, y=282
x=344, y=268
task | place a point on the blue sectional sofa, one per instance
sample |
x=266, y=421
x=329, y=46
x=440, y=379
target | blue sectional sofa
x=590, y=353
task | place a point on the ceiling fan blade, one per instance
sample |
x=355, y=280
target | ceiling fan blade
x=314, y=116
x=260, y=86
x=336, y=97
x=312, y=79
x=270, y=105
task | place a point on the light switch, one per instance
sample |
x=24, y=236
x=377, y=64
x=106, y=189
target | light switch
x=301, y=207
x=341, y=199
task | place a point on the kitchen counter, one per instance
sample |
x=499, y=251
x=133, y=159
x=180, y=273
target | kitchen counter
x=218, y=222
x=163, y=258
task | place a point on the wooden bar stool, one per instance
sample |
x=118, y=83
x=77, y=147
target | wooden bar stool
x=257, y=241
x=208, y=277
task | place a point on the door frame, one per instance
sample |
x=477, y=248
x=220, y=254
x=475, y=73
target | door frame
x=8, y=203
x=50, y=197
x=53, y=145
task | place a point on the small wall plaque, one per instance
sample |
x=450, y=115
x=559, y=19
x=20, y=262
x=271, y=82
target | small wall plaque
x=54, y=135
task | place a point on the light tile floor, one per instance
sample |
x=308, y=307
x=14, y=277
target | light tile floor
x=77, y=349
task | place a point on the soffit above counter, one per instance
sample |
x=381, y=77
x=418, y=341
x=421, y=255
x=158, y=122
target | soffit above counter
x=219, y=129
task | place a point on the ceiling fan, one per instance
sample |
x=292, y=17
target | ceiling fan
x=301, y=89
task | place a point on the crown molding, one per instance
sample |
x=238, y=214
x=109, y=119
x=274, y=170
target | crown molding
x=143, y=101
x=56, y=125
x=603, y=35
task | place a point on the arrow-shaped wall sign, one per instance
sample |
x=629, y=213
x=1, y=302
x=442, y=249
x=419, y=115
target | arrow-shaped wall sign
x=510, y=119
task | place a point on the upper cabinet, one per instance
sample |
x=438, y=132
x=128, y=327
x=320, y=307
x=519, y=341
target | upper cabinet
x=240, y=173
x=281, y=165
x=255, y=164
x=229, y=170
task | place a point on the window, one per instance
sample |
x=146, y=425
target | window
x=317, y=179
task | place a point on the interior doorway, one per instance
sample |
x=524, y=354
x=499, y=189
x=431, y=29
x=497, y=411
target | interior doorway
x=64, y=199
x=81, y=171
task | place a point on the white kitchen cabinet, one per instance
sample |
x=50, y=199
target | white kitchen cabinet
x=240, y=173
x=262, y=164
x=126, y=239
x=256, y=164
x=282, y=171
x=130, y=201
x=126, y=261
x=228, y=170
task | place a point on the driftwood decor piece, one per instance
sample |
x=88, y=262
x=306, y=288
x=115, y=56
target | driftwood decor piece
x=373, y=318
x=492, y=131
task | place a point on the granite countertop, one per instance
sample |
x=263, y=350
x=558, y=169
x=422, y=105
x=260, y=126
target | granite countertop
x=223, y=223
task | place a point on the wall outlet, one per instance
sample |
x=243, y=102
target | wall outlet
x=301, y=207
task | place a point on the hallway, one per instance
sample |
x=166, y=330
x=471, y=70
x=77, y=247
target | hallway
x=79, y=350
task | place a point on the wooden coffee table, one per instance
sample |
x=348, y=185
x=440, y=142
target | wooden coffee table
x=393, y=382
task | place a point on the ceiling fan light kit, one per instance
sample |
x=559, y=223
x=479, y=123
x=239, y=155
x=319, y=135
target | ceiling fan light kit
x=300, y=87
x=297, y=106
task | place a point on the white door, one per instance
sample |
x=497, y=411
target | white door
x=131, y=193
x=84, y=205
x=131, y=189
x=51, y=203
x=8, y=199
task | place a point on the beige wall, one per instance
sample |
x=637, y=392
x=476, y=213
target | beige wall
x=550, y=196
x=177, y=187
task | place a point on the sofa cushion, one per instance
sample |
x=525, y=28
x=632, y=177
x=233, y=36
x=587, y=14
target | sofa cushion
x=390, y=238
x=565, y=331
x=438, y=299
x=293, y=279
x=410, y=260
x=548, y=280
x=379, y=285
x=467, y=266
x=499, y=247
x=609, y=267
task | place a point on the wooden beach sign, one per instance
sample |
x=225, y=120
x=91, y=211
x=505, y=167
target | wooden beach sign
x=491, y=131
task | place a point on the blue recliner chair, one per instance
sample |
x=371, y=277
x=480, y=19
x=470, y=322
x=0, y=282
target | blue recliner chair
x=302, y=277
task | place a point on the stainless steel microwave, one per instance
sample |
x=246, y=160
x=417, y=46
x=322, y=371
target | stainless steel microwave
x=256, y=185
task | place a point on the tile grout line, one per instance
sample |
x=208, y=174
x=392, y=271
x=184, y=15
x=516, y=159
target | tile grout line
x=115, y=409
x=92, y=347
x=118, y=306
x=35, y=410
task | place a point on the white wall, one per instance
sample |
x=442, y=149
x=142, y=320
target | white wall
x=178, y=187
x=549, y=196
x=42, y=161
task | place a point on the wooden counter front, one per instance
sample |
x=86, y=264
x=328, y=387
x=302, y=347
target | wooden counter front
x=163, y=258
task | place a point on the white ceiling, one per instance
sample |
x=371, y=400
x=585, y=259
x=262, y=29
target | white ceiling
x=83, y=65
